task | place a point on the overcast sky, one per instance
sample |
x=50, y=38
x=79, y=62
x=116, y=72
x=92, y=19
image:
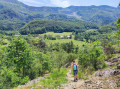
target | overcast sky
x=66, y=3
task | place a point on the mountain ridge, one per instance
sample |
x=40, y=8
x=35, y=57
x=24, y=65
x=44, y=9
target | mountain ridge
x=103, y=15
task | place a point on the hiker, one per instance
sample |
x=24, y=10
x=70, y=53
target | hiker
x=75, y=70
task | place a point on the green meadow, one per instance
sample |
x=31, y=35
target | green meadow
x=58, y=34
x=79, y=43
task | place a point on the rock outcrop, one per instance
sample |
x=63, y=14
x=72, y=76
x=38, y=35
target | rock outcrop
x=106, y=78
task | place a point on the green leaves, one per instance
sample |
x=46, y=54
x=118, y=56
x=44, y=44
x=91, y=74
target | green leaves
x=8, y=78
x=19, y=52
x=91, y=56
x=40, y=64
x=43, y=26
x=118, y=22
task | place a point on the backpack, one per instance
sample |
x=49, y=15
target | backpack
x=74, y=67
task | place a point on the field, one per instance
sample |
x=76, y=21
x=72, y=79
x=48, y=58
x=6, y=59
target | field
x=79, y=43
x=58, y=34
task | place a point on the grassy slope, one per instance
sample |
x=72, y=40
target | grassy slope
x=79, y=43
x=56, y=34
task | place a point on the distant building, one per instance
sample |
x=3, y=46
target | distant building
x=69, y=37
x=16, y=35
x=39, y=35
x=62, y=37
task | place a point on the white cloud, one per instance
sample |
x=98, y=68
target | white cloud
x=60, y=3
x=66, y=3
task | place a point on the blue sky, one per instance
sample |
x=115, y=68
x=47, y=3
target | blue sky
x=66, y=3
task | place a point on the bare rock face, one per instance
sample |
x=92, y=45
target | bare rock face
x=105, y=73
x=117, y=72
x=108, y=73
x=89, y=84
x=88, y=81
x=119, y=85
x=118, y=66
x=110, y=64
x=106, y=78
x=115, y=59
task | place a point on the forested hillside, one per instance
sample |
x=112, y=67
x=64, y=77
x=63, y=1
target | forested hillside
x=14, y=18
x=39, y=27
x=99, y=14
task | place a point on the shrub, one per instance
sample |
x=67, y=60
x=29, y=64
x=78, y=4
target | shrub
x=92, y=56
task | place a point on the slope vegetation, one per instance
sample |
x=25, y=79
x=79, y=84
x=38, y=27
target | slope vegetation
x=16, y=13
x=43, y=26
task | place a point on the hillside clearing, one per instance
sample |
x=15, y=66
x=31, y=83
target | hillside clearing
x=58, y=34
x=79, y=43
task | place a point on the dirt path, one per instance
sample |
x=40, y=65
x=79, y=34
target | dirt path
x=71, y=84
x=101, y=79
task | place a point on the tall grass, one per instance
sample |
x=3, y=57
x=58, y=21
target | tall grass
x=55, y=79
x=56, y=34
x=79, y=43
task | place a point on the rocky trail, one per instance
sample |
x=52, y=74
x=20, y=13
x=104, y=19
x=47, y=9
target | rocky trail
x=71, y=84
x=32, y=82
x=108, y=78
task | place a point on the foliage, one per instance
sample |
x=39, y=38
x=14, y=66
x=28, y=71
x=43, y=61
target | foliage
x=107, y=43
x=55, y=79
x=43, y=26
x=95, y=34
x=87, y=35
x=68, y=47
x=12, y=18
x=117, y=34
x=80, y=74
x=92, y=57
x=58, y=58
x=25, y=58
x=40, y=65
x=107, y=29
x=19, y=54
x=101, y=14
x=118, y=26
x=8, y=78
x=40, y=43
x=19, y=63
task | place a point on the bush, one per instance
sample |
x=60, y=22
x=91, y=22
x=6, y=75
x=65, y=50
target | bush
x=92, y=56
x=71, y=57
x=40, y=65
x=80, y=74
x=8, y=78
